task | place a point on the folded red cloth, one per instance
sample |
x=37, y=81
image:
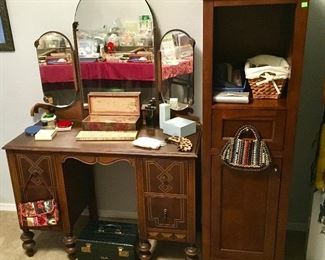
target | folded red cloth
x=63, y=123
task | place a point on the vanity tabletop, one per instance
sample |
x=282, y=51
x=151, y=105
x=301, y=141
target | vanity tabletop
x=66, y=142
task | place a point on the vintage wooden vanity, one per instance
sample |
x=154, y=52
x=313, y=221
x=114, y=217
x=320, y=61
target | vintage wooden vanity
x=165, y=178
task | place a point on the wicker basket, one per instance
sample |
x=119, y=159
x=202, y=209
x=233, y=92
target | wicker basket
x=267, y=81
x=267, y=90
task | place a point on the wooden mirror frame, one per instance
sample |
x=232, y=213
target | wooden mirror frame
x=188, y=108
x=8, y=44
x=75, y=83
x=156, y=37
x=73, y=111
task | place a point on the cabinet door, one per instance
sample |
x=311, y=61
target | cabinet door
x=244, y=209
x=35, y=174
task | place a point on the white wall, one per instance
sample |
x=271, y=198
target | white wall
x=316, y=241
x=19, y=77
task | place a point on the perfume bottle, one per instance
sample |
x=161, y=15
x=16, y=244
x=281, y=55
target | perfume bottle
x=150, y=113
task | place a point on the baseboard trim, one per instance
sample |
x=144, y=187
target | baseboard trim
x=102, y=212
x=7, y=206
x=297, y=226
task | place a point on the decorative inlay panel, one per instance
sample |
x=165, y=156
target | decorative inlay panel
x=104, y=160
x=167, y=236
x=165, y=176
x=36, y=175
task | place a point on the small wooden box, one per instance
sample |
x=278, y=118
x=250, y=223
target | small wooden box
x=113, y=111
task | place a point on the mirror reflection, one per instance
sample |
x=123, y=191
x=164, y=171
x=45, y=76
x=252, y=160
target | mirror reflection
x=56, y=65
x=115, y=46
x=177, y=69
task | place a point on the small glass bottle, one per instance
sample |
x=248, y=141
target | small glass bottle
x=150, y=116
x=150, y=113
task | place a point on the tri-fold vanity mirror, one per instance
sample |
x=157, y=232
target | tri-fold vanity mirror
x=114, y=51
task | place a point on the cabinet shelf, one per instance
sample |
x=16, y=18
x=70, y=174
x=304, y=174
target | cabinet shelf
x=253, y=30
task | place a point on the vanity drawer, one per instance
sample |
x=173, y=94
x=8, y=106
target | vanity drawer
x=165, y=212
x=269, y=124
x=165, y=176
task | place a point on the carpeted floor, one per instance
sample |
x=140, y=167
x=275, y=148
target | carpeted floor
x=50, y=246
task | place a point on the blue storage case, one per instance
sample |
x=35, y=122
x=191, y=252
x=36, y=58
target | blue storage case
x=228, y=78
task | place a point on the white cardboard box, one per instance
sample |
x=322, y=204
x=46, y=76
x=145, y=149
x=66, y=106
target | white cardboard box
x=164, y=114
x=179, y=126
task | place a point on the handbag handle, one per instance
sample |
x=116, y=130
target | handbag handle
x=237, y=153
x=117, y=229
x=245, y=129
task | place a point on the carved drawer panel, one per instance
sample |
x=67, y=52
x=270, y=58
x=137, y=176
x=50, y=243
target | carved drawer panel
x=166, y=213
x=36, y=176
x=269, y=123
x=166, y=176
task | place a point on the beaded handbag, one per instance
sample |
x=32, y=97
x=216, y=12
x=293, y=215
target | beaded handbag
x=246, y=151
x=44, y=212
x=38, y=213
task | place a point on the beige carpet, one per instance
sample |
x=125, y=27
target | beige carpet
x=49, y=244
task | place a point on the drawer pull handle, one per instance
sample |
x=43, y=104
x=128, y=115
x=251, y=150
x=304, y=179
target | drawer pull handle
x=165, y=215
x=276, y=170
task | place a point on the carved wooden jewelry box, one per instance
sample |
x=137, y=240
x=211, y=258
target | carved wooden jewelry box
x=113, y=111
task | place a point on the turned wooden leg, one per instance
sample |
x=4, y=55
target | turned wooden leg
x=28, y=242
x=144, y=250
x=70, y=246
x=191, y=252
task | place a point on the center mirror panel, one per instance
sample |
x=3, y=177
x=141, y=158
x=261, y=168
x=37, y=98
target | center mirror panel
x=116, y=46
x=56, y=64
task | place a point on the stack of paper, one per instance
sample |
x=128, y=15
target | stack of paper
x=45, y=134
x=231, y=97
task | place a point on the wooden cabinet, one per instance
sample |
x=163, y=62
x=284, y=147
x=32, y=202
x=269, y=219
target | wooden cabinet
x=169, y=192
x=165, y=182
x=245, y=213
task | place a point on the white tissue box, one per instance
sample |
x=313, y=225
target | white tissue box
x=179, y=126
